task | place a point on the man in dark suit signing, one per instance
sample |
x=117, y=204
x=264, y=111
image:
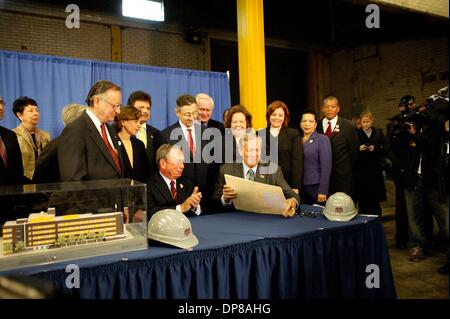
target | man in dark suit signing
x=344, y=147
x=87, y=148
x=11, y=167
x=168, y=188
x=252, y=169
x=147, y=133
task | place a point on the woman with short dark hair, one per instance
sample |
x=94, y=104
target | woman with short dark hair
x=317, y=161
x=31, y=139
x=135, y=162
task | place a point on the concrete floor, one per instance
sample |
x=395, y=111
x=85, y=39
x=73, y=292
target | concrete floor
x=413, y=280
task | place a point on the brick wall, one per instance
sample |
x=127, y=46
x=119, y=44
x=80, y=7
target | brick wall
x=377, y=83
x=49, y=35
x=35, y=34
x=161, y=49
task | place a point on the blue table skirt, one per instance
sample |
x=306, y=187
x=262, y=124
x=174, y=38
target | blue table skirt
x=243, y=255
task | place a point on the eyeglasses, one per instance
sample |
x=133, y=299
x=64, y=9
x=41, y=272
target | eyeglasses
x=188, y=115
x=114, y=106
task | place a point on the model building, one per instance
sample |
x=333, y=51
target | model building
x=44, y=230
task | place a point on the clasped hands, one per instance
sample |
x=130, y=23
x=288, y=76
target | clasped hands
x=192, y=202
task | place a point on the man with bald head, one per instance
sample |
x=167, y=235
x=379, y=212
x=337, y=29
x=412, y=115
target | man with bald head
x=87, y=148
x=344, y=146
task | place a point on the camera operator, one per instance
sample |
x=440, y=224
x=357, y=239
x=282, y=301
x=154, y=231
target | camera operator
x=421, y=177
x=397, y=139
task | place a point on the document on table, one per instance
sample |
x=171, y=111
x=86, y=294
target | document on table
x=256, y=197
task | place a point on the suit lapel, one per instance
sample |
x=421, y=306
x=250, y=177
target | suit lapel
x=261, y=178
x=238, y=170
x=163, y=189
x=98, y=140
x=181, y=191
x=319, y=126
x=149, y=137
x=337, y=128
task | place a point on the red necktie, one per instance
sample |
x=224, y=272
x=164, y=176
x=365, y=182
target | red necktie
x=110, y=149
x=173, y=190
x=3, y=153
x=328, y=132
x=191, y=143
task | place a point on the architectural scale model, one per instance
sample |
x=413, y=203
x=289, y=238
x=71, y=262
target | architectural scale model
x=44, y=230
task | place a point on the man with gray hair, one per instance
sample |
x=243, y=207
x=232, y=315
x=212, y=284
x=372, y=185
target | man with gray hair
x=87, y=148
x=47, y=166
x=205, y=105
x=252, y=169
x=169, y=189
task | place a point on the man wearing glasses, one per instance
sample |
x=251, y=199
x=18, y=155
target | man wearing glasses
x=88, y=147
x=187, y=132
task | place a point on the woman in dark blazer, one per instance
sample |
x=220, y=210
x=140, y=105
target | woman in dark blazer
x=290, y=150
x=370, y=178
x=317, y=161
x=135, y=161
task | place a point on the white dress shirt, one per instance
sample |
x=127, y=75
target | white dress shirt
x=98, y=125
x=186, y=133
x=325, y=124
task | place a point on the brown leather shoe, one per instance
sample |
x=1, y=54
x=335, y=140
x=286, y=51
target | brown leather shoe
x=416, y=254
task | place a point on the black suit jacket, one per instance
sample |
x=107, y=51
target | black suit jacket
x=215, y=124
x=13, y=174
x=82, y=154
x=196, y=170
x=236, y=169
x=140, y=171
x=152, y=135
x=47, y=167
x=345, y=148
x=290, y=154
x=159, y=196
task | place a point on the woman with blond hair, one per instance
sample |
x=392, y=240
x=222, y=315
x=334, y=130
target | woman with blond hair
x=370, y=178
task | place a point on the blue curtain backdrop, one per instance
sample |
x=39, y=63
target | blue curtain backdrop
x=55, y=82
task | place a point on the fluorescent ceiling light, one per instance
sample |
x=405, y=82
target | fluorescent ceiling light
x=143, y=9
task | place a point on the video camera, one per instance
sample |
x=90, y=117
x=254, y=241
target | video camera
x=433, y=111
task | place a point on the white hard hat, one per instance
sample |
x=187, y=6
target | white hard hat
x=340, y=207
x=171, y=227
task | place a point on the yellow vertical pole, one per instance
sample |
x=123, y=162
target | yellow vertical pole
x=252, y=68
x=116, y=44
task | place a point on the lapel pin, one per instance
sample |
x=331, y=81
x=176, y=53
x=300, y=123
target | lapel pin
x=181, y=186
